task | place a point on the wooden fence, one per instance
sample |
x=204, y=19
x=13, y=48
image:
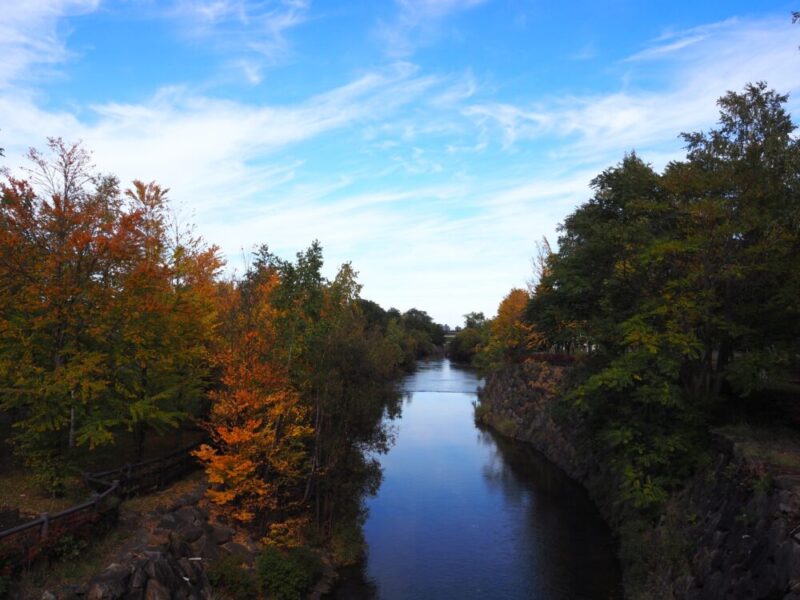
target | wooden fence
x=21, y=545
x=147, y=475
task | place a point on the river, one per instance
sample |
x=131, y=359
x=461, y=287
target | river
x=462, y=513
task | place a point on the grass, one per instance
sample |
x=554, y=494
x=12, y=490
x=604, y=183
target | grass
x=19, y=489
x=778, y=449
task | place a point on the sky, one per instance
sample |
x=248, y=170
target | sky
x=432, y=143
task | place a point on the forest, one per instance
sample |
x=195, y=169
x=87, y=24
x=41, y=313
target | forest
x=676, y=296
x=118, y=325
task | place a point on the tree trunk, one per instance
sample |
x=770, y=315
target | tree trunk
x=71, y=441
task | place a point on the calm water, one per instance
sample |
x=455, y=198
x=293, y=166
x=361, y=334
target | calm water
x=464, y=514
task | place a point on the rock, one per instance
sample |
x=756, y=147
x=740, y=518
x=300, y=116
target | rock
x=187, y=514
x=177, y=545
x=187, y=570
x=157, y=591
x=161, y=570
x=138, y=579
x=67, y=592
x=168, y=522
x=204, y=548
x=189, y=533
x=787, y=563
x=158, y=538
x=111, y=584
x=220, y=534
x=160, y=567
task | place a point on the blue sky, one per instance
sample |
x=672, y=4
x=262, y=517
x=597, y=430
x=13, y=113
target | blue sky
x=430, y=142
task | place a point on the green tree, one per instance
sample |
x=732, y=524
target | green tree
x=675, y=285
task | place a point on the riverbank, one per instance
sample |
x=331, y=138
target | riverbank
x=730, y=532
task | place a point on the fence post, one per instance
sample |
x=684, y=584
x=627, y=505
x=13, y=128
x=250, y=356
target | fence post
x=45, y=526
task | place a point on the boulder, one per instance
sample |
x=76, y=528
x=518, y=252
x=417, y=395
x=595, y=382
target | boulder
x=189, y=533
x=220, y=534
x=111, y=584
x=157, y=591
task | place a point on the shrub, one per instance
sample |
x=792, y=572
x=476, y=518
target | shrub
x=69, y=547
x=227, y=575
x=287, y=574
x=347, y=543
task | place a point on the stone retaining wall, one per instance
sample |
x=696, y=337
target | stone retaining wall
x=741, y=528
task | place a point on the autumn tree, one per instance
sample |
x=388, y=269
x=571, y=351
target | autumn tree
x=260, y=428
x=92, y=293
x=164, y=318
x=510, y=336
x=60, y=236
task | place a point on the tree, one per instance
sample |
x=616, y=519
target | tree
x=60, y=238
x=678, y=285
x=259, y=426
x=510, y=337
x=104, y=325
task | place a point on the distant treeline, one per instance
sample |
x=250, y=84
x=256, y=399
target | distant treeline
x=677, y=292
x=115, y=319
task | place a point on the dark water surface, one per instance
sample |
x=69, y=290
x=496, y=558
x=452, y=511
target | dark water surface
x=462, y=513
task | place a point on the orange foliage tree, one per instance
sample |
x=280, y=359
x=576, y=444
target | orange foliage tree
x=509, y=335
x=260, y=428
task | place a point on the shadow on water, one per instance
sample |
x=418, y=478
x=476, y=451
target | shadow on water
x=575, y=547
x=464, y=513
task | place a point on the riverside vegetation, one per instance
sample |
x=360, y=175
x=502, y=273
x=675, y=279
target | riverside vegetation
x=116, y=322
x=675, y=296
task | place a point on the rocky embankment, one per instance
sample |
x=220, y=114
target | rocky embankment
x=732, y=532
x=169, y=558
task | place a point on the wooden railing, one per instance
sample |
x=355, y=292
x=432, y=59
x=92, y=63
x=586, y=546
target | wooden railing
x=136, y=478
x=21, y=545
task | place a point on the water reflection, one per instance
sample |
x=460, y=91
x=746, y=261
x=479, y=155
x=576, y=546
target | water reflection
x=463, y=513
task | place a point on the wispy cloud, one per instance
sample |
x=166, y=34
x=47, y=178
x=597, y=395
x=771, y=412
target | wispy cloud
x=215, y=152
x=417, y=23
x=31, y=36
x=704, y=63
x=253, y=31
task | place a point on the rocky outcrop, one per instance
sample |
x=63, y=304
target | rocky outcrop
x=738, y=527
x=178, y=544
